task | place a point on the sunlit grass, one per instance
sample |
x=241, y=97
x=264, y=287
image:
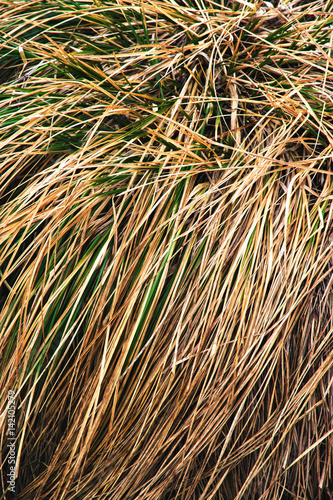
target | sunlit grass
x=166, y=248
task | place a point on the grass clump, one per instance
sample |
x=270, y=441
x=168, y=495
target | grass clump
x=166, y=248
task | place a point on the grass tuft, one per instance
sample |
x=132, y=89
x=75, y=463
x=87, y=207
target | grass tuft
x=166, y=252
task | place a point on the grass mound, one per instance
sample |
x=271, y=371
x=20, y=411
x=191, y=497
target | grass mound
x=166, y=248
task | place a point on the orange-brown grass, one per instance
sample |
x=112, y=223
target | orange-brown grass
x=166, y=248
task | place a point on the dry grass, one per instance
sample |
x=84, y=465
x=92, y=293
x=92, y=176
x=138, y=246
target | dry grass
x=166, y=248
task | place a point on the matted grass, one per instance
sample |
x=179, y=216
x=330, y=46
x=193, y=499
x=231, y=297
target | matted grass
x=166, y=248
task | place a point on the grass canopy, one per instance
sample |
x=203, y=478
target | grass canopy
x=166, y=248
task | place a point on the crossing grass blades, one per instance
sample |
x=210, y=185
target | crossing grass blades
x=166, y=248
